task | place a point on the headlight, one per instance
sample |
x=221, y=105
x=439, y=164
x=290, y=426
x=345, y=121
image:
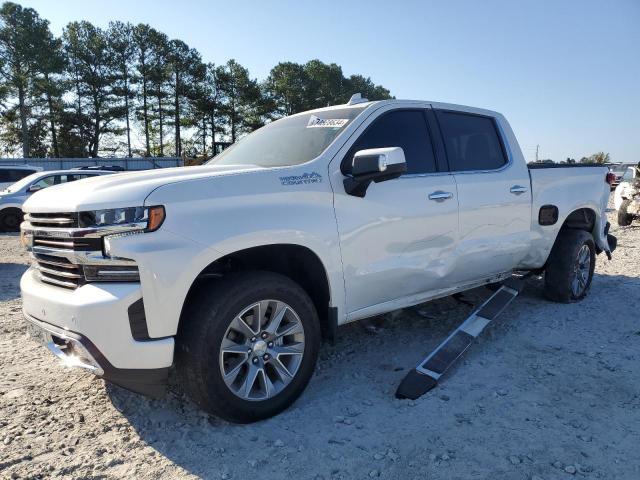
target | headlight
x=147, y=219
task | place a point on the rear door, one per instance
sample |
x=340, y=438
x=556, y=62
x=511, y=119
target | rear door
x=396, y=241
x=494, y=195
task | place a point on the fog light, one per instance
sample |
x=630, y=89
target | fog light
x=111, y=273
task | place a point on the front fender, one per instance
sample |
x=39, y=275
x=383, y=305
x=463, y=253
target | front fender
x=209, y=218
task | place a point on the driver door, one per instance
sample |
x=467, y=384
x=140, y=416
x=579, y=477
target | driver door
x=399, y=240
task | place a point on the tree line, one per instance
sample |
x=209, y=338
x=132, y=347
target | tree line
x=130, y=90
x=599, y=158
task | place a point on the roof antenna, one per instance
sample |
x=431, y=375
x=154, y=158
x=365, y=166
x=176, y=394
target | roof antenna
x=357, y=98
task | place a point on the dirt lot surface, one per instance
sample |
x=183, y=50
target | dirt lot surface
x=549, y=391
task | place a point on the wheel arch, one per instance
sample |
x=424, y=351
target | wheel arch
x=297, y=262
x=581, y=218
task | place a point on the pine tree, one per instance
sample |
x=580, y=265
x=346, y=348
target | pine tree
x=23, y=35
x=242, y=104
x=122, y=50
x=94, y=76
x=159, y=78
x=142, y=40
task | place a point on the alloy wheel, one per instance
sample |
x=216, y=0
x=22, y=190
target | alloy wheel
x=581, y=271
x=262, y=350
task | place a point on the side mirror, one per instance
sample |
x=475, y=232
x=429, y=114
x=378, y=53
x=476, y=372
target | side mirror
x=34, y=188
x=374, y=165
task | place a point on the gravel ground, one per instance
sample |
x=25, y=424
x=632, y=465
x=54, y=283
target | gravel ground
x=549, y=392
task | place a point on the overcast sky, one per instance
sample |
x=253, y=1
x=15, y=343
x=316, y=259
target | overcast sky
x=565, y=73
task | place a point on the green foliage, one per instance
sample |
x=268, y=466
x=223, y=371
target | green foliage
x=23, y=40
x=242, y=106
x=88, y=52
x=599, y=158
x=97, y=91
x=293, y=88
x=122, y=50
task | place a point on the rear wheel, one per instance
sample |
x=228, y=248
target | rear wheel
x=248, y=345
x=624, y=218
x=10, y=219
x=570, y=267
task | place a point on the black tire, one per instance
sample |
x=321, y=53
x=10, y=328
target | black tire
x=624, y=218
x=559, y=271
x=206, y=317
x=10, y=219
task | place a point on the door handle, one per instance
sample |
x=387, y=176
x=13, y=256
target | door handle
x=440, y=196
x=518, y=189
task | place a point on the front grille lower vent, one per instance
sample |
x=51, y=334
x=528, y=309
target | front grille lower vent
x=58, y=271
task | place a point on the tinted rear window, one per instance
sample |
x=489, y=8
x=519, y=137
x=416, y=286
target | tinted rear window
x=471, y=141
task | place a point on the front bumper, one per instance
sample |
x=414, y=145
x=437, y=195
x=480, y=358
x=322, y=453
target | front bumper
x=89, y=328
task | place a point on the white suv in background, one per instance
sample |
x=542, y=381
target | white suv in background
x=13, y=196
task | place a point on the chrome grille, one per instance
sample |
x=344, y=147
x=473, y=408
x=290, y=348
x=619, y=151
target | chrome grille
x=67, y=250
x=63, y=220
x=65, y=243
x=58, y=271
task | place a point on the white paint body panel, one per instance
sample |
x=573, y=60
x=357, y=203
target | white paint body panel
x=388, y=250
x=99, y=312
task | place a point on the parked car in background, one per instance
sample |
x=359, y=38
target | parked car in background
x=619, y=170
x=626, y=197
x=10, y=174
x=12, y=197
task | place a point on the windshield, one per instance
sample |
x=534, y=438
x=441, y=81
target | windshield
x=289, y=141
x=20, y=184
x=620, y=169
x=628, y=175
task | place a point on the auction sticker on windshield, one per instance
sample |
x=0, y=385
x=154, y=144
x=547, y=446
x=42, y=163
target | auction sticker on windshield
x=317, y=122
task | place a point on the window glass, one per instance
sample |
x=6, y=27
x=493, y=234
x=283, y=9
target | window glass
x=47, y=181
x=289, y=141
x=13, y=174
x=471, y=141
x=406, y=129
x=74, y=177
x=19, y=174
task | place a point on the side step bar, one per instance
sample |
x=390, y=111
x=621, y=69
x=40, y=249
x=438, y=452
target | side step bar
x=426, y=375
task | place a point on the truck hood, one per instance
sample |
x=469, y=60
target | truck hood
x=121, y=189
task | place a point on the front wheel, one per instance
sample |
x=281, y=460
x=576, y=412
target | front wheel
x=570, y=267
x=248, y=345
x=10, y=219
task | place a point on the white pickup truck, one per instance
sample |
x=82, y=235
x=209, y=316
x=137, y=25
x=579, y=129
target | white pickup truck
x=233, y=271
